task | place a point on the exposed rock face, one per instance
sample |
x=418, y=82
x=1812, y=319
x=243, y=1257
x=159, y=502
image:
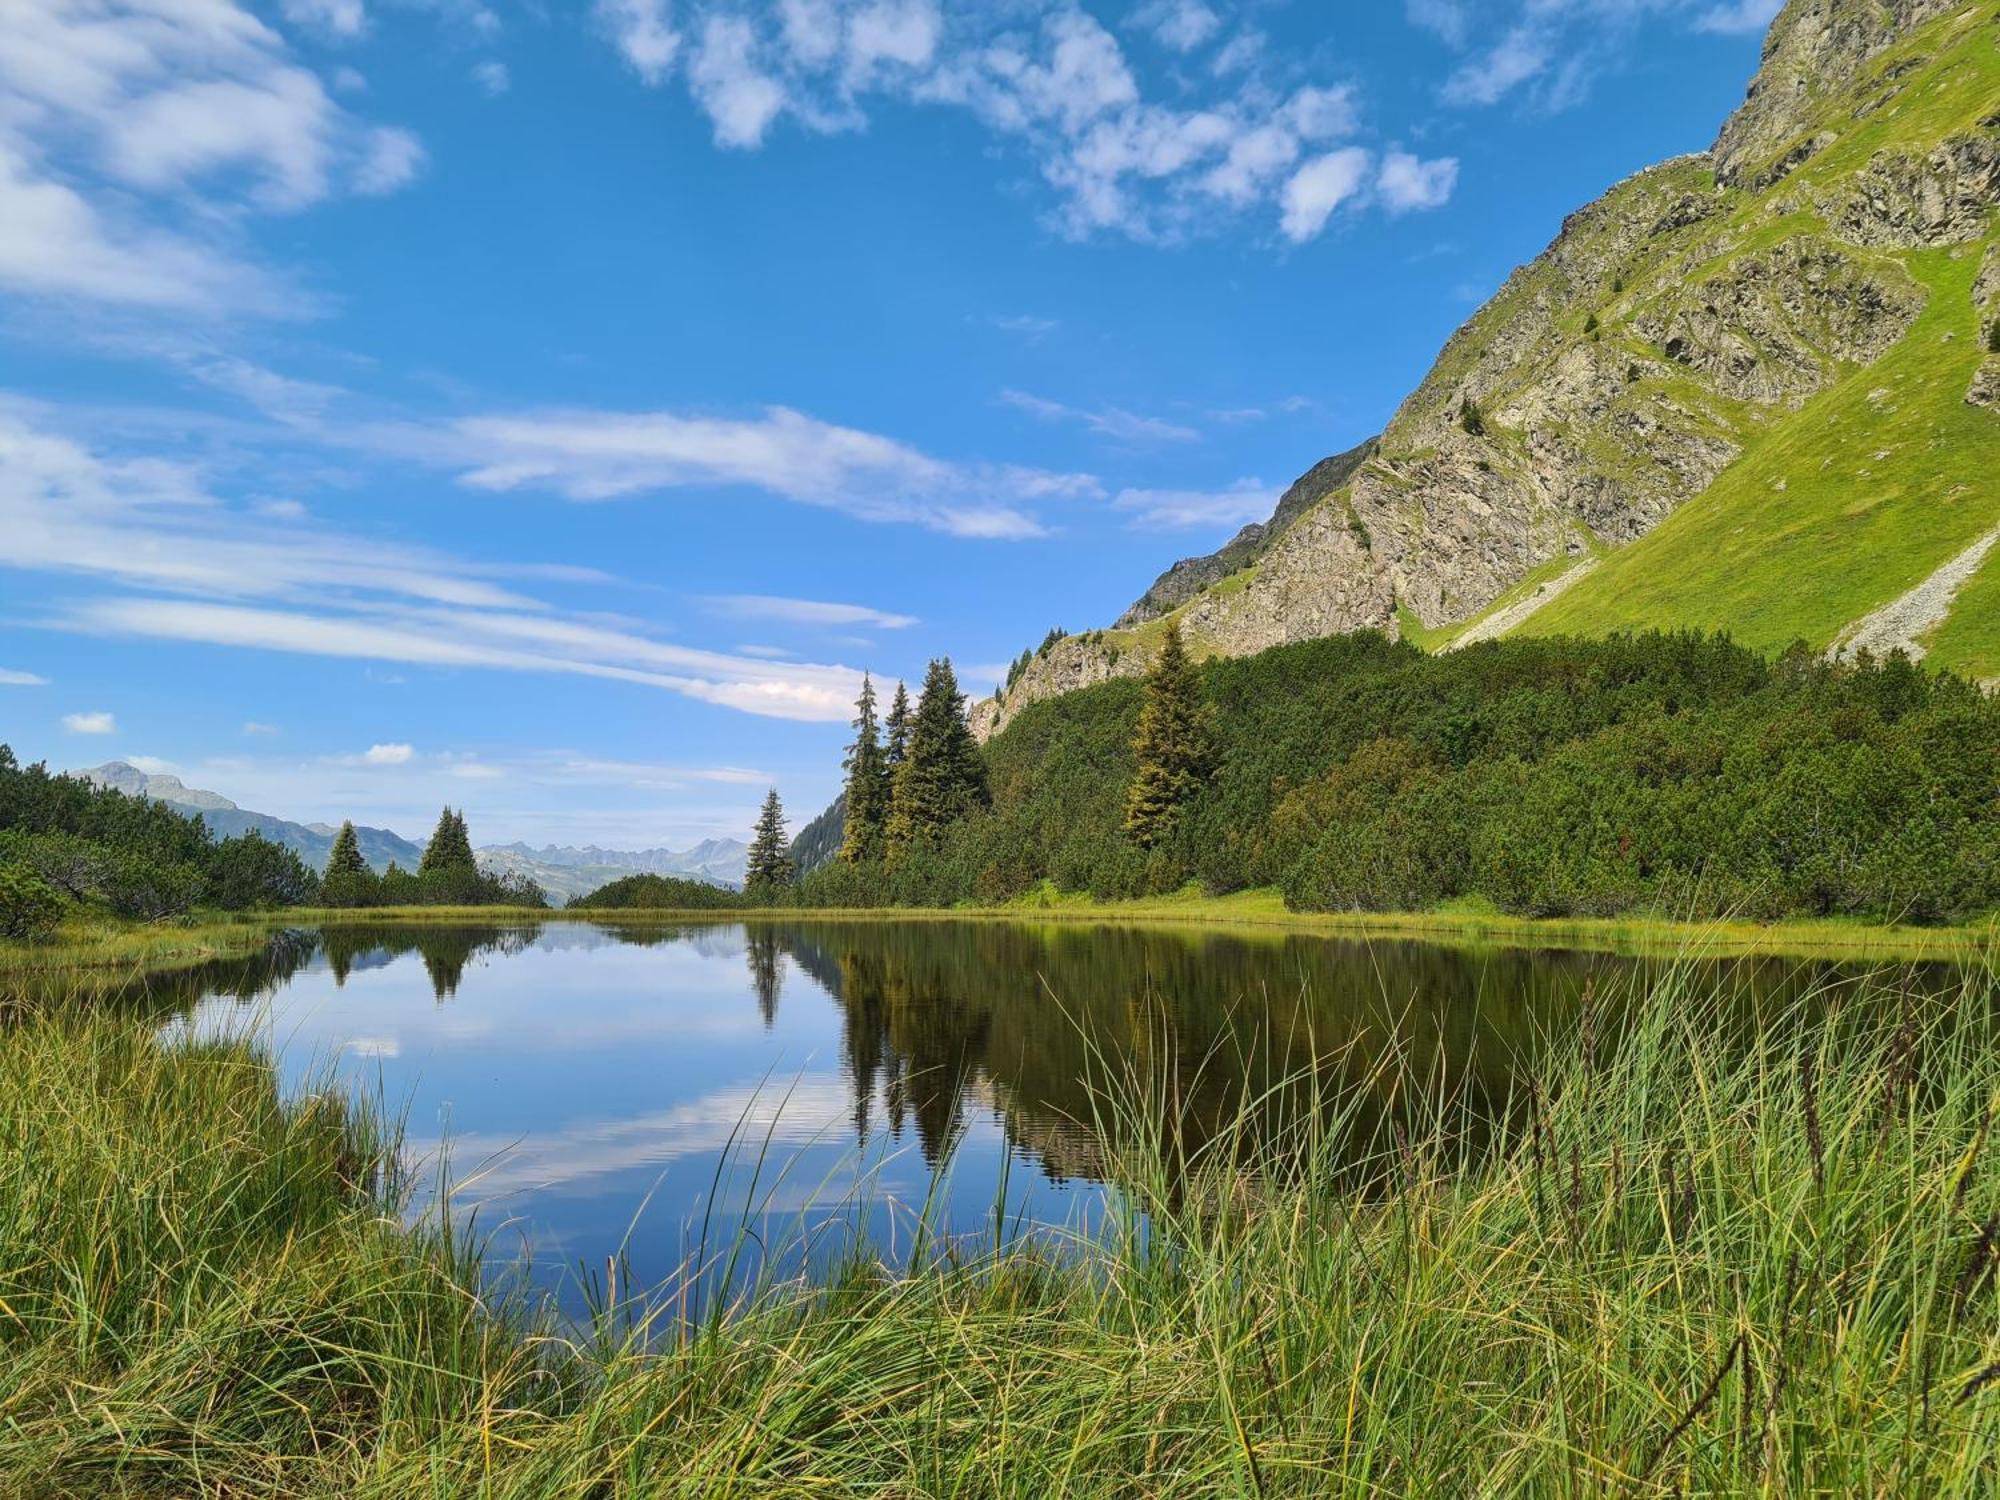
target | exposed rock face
x=1611, y=380
x=1945, y=198
x=1815, y=48
x=1191, y=575
x=1769, y=327
x=1985, y=390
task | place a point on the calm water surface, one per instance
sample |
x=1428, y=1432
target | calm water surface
x=599, y=1091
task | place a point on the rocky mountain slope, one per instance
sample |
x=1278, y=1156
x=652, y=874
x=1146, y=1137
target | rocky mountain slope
x=561, y=871
x=1755, y=389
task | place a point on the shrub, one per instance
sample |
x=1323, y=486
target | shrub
x=29, y=909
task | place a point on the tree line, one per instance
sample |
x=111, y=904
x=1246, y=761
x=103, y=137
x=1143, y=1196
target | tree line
x=67, y=845
x=1668, y=773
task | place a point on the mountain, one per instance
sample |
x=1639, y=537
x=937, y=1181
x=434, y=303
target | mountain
x=564, y=872
x=1755, y=389
x=312, y=842
x=561, y=871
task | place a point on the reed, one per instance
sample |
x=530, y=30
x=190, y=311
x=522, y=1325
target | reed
x=1694, y=1257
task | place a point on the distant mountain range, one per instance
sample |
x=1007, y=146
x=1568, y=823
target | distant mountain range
x=562, y=871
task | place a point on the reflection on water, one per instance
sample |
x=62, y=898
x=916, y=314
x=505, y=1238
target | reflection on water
x=715, y=1075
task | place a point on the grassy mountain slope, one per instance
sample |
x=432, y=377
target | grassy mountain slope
x=1839, y=507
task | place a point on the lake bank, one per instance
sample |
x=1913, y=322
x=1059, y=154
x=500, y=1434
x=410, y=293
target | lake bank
x=110, y=945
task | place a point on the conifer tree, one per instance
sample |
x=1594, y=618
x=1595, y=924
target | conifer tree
x=769, y=866
x=345, y=861
x=898, y=727
x=942, y=776
x=867, y=784
x=450, y=847
x=1172, y=746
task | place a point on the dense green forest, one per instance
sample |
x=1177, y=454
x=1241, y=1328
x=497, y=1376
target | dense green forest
x=68, y=846
x=448, y=874
x=65, y=844
x=1675, y=774
x=657, y=893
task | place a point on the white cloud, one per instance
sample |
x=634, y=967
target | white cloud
x=12, y=678
x=1176, y=510
x=806, y=611
x=1319, y=187
x=1106, y=421
x=741, y=99
x=252, y=726
x=590, y=455
x=344, y=19
x=1057, y=82
x=1407, y=184
x=1520, y=55
x=152, y=765
x=1447, y=18
x=118, y=114
x=1739, y=16
x=493, y=77
x=644, y=34
x=98, y=722
x=389, y=755
x=185, y=566
x=393, y=158
x=1182, y=25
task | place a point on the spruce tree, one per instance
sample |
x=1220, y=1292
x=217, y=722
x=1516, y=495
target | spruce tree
x=450, y=847
x=867, y=785
x=898, y=726
x=345, y=861
x=768, y=867
x=942, y=776
x=1172, y=746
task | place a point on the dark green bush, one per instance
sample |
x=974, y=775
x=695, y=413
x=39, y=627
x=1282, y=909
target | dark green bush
x=29, y=909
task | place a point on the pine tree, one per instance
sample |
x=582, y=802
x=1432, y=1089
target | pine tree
x=769, y=867
x=867, y=785
x=450, y=847
x=345, y=861
x=1172, y=747
x=942, y=776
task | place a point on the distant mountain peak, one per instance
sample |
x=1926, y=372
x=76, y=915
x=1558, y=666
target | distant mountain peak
x=123, y=776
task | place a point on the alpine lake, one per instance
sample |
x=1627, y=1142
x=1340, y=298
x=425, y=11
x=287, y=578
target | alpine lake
x=680, y=1106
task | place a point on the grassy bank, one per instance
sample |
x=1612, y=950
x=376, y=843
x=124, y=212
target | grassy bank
x=106, y=944
x=1690, y=1262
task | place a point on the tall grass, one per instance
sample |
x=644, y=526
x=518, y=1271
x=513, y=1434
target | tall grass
x=1694, y=1255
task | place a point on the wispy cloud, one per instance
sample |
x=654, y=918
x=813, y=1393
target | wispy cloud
x=12, y=678
x=1106, y=421
x=805, y=611
x=189, y=567
x=1179, y=510
x=598, y=455
x=96, y=722
x=1025, y=325
x=388, y=755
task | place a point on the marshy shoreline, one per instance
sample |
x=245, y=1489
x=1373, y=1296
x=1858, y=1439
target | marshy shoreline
x=1691, y=1258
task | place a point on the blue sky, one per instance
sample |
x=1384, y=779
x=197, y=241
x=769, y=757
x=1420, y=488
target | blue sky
x=554, y=408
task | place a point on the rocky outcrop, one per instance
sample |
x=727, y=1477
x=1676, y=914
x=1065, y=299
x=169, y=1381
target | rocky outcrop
x=1985, y=388
x=1816, y=49
x=1191, y=575
x=1770, y=327
x=1943, y=198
